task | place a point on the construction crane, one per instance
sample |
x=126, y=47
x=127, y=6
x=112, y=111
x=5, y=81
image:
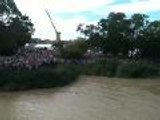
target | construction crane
x=58, y=34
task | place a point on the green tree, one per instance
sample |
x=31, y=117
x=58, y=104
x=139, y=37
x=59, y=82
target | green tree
x=117, y=28
x=117, y=34
x=91, y=32
x=15, y=29
x=139, y=23
x=150, y=46
x=110, y=34
x=74, y=50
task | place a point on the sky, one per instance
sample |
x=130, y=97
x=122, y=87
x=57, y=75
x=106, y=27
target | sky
x=67, y=14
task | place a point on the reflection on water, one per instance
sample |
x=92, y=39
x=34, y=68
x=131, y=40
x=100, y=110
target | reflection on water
x=91, y=98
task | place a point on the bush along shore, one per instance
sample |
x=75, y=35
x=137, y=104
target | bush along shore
x=45, y=77
x=63, y=74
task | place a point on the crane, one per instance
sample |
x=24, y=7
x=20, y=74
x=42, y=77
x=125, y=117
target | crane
x=58, y=34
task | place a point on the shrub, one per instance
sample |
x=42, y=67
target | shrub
x=74, y=50
x=60, y=75
x=137, y=70
x=101, y=68
x=45, y=77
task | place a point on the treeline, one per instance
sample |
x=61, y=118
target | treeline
x=118, y=35
x=15, y=29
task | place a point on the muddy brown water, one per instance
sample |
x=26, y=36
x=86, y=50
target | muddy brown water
x=90, y=98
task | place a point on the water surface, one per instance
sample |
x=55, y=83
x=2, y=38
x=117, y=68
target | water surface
x=91, y=98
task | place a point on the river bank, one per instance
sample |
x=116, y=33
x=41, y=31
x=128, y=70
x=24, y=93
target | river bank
x=56, y=75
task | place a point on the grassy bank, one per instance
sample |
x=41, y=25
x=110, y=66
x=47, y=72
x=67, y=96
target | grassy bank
x=45, y=77
x=60, y=75
x=115, y=68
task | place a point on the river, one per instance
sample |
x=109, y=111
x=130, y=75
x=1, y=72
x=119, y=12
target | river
x=90, y=98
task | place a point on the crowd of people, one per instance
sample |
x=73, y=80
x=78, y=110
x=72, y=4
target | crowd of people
x=27, y=59
x=34, y=58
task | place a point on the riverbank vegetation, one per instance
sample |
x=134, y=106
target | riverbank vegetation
x=63, y=74
x=45, y=77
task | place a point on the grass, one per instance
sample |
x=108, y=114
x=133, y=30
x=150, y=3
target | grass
x=64, y=74
x=137, y=70
x=46, y=77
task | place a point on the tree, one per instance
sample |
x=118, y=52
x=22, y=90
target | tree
x=74, y=50
x=117, y=28
x=92, y=33
x=139, y=23
x=117, y=34
x=15, y=29
x=110, y=34
x=150, y=47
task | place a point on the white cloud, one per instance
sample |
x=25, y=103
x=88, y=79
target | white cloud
x=35, y=10
x=66, y=27
x=134, y=6
x=62, y=6
x=138, y=6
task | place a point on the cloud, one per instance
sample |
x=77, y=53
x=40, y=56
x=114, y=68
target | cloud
x=64, y=6
x=35, y=10
x=134, y=6
x=66, y=27
x=61, y=6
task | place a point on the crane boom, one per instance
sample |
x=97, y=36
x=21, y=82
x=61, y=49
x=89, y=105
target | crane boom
x=58, y=37
x=51, y=20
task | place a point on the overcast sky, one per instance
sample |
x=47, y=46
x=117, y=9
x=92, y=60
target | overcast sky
x=67, y=14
